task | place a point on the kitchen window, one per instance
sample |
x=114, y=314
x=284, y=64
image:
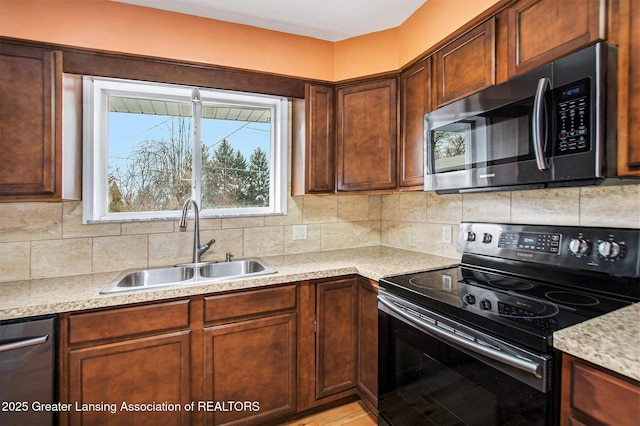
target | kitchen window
x=149, y=146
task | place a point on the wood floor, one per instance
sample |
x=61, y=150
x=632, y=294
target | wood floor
x=352, y=414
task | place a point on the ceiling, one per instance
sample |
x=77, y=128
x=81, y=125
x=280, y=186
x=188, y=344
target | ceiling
x=331, y=20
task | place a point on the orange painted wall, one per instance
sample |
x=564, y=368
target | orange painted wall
x=113, y=26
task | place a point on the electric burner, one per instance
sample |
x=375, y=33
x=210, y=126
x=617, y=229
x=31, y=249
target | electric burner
x=572, y=298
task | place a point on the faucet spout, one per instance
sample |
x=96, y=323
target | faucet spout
x=198, y=250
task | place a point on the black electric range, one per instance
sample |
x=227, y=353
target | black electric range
x=523, y=282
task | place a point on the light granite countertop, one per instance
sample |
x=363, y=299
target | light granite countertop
x=611, y=341
x=22, y=299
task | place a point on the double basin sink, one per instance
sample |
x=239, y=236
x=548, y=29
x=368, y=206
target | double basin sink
x=142, y=279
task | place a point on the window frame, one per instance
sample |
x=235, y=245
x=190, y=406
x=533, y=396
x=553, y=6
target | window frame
x=96, y=92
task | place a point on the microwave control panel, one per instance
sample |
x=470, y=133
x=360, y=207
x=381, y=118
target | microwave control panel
x=572, y=105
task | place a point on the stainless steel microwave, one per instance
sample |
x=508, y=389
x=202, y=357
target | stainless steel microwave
x=554, y=126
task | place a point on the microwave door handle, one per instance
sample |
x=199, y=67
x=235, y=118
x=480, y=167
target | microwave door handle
x=538, y=123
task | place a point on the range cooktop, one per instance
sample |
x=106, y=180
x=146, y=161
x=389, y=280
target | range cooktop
x=523, y=282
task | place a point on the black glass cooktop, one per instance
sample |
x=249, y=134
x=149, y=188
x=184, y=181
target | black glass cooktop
x=523, y=310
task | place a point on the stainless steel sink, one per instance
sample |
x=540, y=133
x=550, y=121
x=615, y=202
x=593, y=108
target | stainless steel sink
x=202, y=273
x=237, y=268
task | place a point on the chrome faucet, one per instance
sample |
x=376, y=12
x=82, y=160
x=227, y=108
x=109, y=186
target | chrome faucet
x=197, y=249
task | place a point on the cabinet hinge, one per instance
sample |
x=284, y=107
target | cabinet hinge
x=315, y=324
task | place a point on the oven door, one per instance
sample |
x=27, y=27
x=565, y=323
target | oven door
x=433, y=371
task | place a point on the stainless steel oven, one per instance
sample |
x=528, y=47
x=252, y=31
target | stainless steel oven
x=472, y=345
x=553, y=126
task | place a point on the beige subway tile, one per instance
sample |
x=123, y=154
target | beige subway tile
x=352, y=208
x=390, y=207
x=242, y=222
x=336, y=235
x=72, y=226
x=399, y=234
x=312, y=243
x=265, y=241
x=295, y=206
x=227, y=241
x=487, y=207
x=444, y=208
x=549, y=206
x=120, y=253
x=151, y=227
x=320, y=209
x=366, y=233
x=426, y=238
x=612, y=206
x=412, y=207
x=375, y=207
x=170, y=248
x=56, y=258
x=30, y=221
x=15, y=260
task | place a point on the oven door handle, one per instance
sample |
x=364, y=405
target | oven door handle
x=505, y=358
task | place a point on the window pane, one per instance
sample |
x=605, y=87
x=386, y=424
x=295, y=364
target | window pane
x=236, y=156
x=149, y=154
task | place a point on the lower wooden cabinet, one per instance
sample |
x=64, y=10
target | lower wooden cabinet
x=336, y=342
x=592, y=395
x=367, y=332
x=119, y=369
x=253, y=363
x=238, y=358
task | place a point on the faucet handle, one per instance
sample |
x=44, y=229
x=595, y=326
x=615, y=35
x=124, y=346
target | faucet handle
x=229, y=256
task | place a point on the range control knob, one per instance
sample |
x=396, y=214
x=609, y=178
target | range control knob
x=469, y=236
x=609, y=249
x=578, y=246
x=486, y=238
x=469, y=299
x=485, y=305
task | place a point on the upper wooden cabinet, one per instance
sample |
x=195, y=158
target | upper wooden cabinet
x=415, y=102
x=313, y=168
x=367, y=133
x=30, y=122
x=628, y=89
x=540, y=31
x=466, y=65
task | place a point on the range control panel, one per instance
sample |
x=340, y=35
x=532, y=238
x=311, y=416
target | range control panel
x=614, y=251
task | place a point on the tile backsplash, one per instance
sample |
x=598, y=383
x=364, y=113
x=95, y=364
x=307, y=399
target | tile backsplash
x=41, y=240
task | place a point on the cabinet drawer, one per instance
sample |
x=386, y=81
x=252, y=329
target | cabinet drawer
x=121, y=322
x=249, y=303
x=602, y=396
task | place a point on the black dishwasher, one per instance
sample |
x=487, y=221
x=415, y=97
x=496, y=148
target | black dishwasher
x=27, y=371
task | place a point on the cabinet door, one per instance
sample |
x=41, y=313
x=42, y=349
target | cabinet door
x=336, y=342
x=543, y=30
x=629, y=89
x=30, y=124
x=466, y=65
x=320, y=138
x=415, y=99
x=367, y=136
x=367, y=332
x=149, y=370
x=593, y=395
x=253, y=363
